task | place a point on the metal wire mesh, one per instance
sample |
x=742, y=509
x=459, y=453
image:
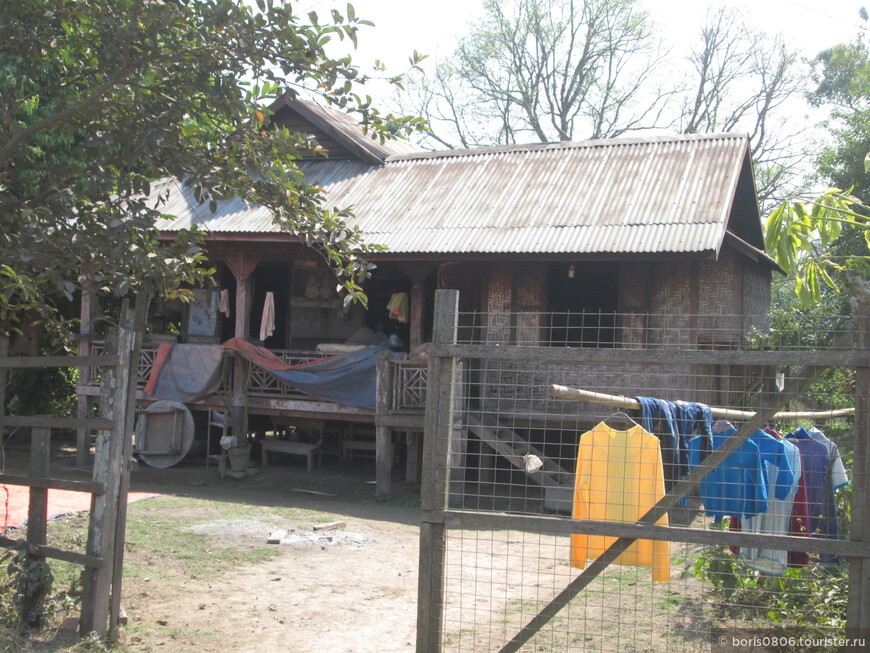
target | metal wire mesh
x=605, y=330
x=514, y=457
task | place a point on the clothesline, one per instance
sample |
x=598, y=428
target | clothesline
x=629, y=403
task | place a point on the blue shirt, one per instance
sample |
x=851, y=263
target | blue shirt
x=737, y=487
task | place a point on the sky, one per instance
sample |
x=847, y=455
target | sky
x=433, y=28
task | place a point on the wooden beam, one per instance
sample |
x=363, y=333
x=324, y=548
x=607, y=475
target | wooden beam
x=434, y=490
x=22, y=362
x=383, y=434
x=52, y=483
x=560, y=526
x=835, y=357
x=57, y=554
x=94, y=424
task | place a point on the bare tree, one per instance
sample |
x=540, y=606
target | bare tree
x=741, y=79
x=549, y=70
x=543, y=70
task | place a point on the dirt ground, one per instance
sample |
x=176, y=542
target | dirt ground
x=352, y=589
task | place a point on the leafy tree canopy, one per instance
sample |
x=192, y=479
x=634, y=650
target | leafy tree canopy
x=815, y=238
x=842, y=78
x=100, y=97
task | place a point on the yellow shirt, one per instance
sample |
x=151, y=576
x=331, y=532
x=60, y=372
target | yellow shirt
x=619, y=477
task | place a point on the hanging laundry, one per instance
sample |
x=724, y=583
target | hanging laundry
x=619, y=478
x=397, y=307
x=737, y=487
x=691, y=418
x=267, y=321
x=823, y=472
x=839, y=476
x=657, y=417
x=782, y=466
x=799, y=524
x=224, y=303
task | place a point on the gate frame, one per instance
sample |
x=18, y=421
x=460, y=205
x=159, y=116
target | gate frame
x=440, y=450
x=103, y=557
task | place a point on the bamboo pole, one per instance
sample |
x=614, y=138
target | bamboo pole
x=629, y=403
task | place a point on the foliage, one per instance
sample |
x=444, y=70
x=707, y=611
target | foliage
x=800, y=234
x=101, y=97
x=842, y=78
x=31, y=581
x=812, y=597
x=42, y=391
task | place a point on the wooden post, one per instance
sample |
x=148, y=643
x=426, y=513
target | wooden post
x=37, y=511
x=438, y=431
x=86, y=315
x=412, y=462
x=108, y=467
x=417, y=273
x=858, y=607
x=4, y=376
x=383, y=434
x=138, y=328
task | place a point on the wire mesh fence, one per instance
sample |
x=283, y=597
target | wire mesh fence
x=529, y=490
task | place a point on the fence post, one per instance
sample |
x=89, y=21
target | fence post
x=138, y=328
x=108, y=466
x=37, y=511
x=858, y=608
x=383, y=434
x=434, y=494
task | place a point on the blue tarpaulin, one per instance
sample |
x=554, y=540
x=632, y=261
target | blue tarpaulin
x=191, y=372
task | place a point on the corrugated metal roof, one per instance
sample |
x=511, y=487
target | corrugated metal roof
x=663, y=194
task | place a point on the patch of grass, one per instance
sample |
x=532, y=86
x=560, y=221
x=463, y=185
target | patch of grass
x=161, y=545
x=406, y=499
x=168, y=536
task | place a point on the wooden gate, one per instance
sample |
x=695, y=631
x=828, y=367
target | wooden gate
x=103, y=557
x=494, y=570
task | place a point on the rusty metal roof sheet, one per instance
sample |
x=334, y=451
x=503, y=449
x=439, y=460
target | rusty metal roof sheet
x=655, y=195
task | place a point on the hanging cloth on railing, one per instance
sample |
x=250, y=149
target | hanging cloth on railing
x=781, y=461
x=657, y=417
x=397, y=307
x=619, y=478
x=267, y=322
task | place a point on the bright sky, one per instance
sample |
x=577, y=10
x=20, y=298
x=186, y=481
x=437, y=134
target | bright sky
x=401, y=26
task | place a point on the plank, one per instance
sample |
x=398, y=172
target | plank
x=835, y=357
x=557, y=526
x=53, y=483
x=95, y=424
x=97, y=360
x=85, y=560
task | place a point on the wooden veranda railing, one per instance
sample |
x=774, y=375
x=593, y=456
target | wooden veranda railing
x=407, y=380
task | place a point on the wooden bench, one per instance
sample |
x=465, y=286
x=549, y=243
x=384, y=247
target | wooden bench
x=348, y=447
x=306, y=449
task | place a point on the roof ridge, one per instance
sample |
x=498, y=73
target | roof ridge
x=567, y=145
